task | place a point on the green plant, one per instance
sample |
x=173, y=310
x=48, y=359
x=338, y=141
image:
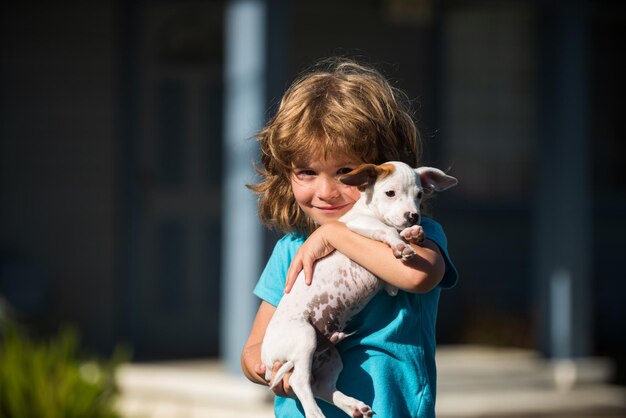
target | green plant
x=48, y=379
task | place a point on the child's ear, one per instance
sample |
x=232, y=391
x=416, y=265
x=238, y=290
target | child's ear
x=366, y=174
x=435, y=180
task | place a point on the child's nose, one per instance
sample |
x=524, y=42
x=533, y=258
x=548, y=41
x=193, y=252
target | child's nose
x=327, y=187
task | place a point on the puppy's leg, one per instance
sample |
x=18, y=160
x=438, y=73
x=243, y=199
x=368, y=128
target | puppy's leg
x=300, y=382
x=373, y=228
x=401, y=249
x=327, y=367
x=303, y=342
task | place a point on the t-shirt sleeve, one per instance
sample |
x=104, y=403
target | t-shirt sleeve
x=434, y=232
x=272, y=281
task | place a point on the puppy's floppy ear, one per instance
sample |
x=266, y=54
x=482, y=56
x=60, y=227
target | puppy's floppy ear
x=366, y=174
x=435, y=180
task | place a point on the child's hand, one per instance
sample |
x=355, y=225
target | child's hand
x=314, y=248
x=282, y=389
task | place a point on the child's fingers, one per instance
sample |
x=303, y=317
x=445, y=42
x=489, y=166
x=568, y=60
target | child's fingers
x=274, y=370
x=308, y=272
x=260, y=369
x=283, y=388
x=292, y=275
x=288, y=392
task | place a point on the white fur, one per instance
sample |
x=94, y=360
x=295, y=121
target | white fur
x=310, y=319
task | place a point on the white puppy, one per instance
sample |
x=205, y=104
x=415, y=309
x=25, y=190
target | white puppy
x=310, y=319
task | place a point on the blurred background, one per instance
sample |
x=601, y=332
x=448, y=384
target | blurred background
x=126, y=135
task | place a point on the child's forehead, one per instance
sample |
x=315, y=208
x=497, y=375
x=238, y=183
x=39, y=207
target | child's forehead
x=326, y=160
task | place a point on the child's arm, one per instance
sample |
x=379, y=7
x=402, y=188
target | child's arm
x=418, y=274
x=251, y=364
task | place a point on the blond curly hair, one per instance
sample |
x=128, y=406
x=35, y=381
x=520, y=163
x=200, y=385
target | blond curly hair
x=339, y=107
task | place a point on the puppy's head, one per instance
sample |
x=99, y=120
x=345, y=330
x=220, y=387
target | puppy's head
x=393, y=191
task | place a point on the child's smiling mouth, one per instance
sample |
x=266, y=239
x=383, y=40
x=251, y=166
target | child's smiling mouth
x=334, y=208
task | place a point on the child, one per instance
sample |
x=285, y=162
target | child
x=332, y=119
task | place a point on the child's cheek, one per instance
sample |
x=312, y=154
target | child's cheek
x=301, y=194
x=354, y=193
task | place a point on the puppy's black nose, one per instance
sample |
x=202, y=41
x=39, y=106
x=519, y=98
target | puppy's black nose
x=412, y=218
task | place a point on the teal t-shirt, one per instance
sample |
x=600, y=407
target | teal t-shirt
x=389, y=363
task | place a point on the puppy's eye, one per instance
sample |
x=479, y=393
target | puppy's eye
x=390, y=193
x=420, y=194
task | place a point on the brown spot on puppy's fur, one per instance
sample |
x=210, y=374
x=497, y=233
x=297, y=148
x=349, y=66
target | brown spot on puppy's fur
x=366, y=174
x=385, y=169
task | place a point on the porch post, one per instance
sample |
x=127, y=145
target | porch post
x=244, y=108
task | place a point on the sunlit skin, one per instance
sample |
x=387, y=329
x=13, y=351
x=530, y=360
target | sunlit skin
x=320, y=194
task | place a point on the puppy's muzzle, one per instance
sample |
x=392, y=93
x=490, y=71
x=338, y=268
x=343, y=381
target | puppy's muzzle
x=412, y=218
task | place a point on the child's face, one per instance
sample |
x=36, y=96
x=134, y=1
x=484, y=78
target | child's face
x=319, y=192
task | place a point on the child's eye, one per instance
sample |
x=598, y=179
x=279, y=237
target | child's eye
x=305, y=173
x=390, y=193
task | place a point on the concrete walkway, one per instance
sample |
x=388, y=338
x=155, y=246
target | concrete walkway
x=473, y=382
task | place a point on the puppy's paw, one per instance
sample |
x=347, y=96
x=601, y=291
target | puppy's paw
x=403, y=251
x=363, y=411
x=391, y=290
x=340, y=336
x=414, y=234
